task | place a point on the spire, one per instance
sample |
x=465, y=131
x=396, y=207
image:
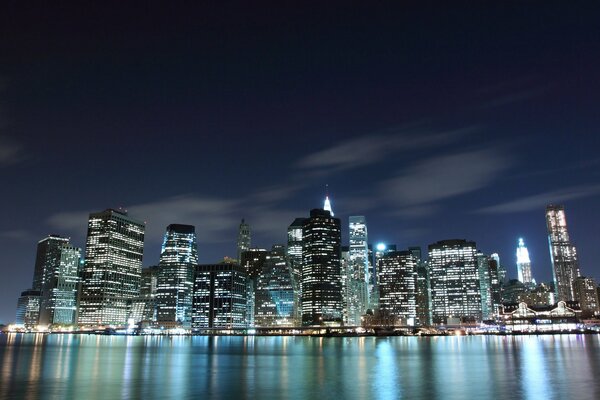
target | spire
x=327, y=205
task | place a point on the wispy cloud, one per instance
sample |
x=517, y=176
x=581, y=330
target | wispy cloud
x=10, y=151
x=17, y=234
x=370, y=149
x=444, y=176
x=540, y=200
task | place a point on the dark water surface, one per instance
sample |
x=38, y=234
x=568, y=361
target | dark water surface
x=483, y=367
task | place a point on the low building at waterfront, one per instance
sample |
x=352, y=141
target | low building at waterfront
x=519, y=317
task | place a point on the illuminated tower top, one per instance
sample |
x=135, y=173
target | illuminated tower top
x=524, y=264
x=327, y=204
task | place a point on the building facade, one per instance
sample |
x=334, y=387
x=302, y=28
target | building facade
x=454, y=278
x=524, y=265
x=357, y=277
x=321, y=269
x=244, y=241
x=175, y=281
x=398, y=286
x=28, y=309
x=586, y=294
x=220, y=292
x=112, y=268
x=565, y=264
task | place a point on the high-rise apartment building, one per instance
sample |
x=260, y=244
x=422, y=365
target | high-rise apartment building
x=294, y=256
x=112, y=268
x=489, y=286
x=56, y=276
x=358, y=270
x=454, y=278
x=398, y=286
x=220, y=292
x=565, y=265
x=321, y=269
x=244, y=241
x=175, y=282
x=524, y=273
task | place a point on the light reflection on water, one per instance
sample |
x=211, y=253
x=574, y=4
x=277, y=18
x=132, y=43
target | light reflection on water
x=110, y=367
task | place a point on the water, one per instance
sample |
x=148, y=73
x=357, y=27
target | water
x=111, y=367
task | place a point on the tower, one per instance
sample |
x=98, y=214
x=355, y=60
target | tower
x=454, y=279
x=175, y=281
x=565, y=265
x=321, y=280
x=524, y=265
x=244, y=240
x=112, y=268
x=327, y=203
x=358, y=273
x=56, y=276
x=398, y=286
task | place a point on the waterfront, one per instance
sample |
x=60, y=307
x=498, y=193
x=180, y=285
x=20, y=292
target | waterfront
x=111, y=367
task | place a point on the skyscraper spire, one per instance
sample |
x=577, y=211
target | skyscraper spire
x=327, y=205
x=524, y=264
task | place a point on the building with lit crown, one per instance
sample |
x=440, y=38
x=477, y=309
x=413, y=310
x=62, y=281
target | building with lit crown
x=321, y=269
x=563, y=254
x=112, y=268
x=524, y=265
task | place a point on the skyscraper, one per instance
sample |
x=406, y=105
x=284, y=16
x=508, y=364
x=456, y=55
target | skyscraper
x=219, y=296
x=274, y=294
x=112, y=268
x=327, y=202
x=489, y=286
x=244, y=239
x=56, y=276
x=321, y=280
x=587, y=296
x=398, y=285
x=454, y=281
x=565, y=265
x=28, y=309
x=524, y=265
x=294, y=256
x=175, y=283
x=358, y=276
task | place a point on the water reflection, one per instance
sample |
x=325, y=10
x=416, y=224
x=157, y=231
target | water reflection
x=106, y=367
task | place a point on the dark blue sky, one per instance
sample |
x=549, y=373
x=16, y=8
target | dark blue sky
x=433, y=122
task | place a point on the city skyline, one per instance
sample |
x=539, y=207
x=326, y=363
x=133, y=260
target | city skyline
x=456, y=122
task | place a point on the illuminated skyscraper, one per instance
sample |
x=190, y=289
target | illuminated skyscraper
x=294, y=256
x=56, y=276
x=358, y=270
x=565, y=265
x=28, y=309
x=454, y=281
x=398, y=285
x=327, y=203
x=587, y=295
x=524, y=265
x=244, y=240
x=112, y=268
x=274, y=294
x=175, y=283
x=219, y=296
x=321, y=280
x=489, y=286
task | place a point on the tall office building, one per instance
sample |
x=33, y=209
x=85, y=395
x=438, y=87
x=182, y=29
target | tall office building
x=28, y=309
x=144, y=307
x=56, y=276
x=565, y=265
x=423, y=297
x=274, y=294
x=358, y=281
x=398, y=286
x=501, y=269
x=489, y=286
x=587, y=296
x=294, y=256
x=112, y=268
x=524, y=265
x=454, y=281
x=327, y=202
x=321, y=280
x=175, y=283
x=244, y=241
x=219, y=297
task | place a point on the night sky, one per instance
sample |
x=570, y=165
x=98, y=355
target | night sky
x=433, y=122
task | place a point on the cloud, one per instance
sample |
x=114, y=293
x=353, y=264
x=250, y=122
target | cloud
x=444, y=176
x=10, y=151
x=17, y=234
x=369, y=149
x=541, y=200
